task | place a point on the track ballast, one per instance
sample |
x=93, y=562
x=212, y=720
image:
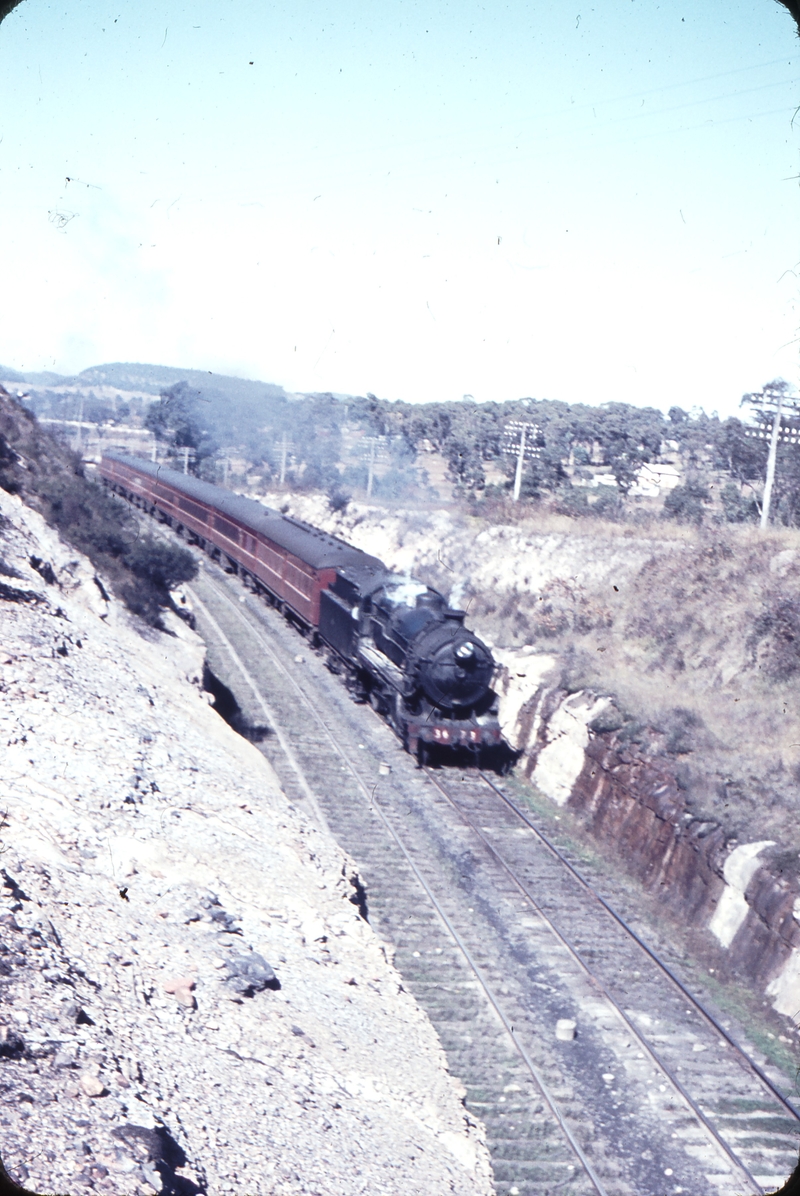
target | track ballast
x=648, y=1097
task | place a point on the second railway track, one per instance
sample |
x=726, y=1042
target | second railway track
x=647, y=1099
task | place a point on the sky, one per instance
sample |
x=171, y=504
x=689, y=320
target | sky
x=421, y=200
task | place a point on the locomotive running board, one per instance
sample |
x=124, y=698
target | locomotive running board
x=386, y=669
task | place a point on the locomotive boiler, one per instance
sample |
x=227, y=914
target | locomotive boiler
x=414, y=659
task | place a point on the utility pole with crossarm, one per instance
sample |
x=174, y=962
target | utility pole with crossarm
x=778, y=416
x=374, y=450
x=521, y=439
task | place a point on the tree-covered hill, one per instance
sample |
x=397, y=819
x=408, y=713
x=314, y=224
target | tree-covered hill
x=346, y=445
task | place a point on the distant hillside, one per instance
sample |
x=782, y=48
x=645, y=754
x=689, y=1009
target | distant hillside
x=150, y=379
x=153, y=379
x=48, y=378
x=224, y=409
x=10, y=375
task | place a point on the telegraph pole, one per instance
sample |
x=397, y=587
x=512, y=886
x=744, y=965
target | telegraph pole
x=284, y=445
x=519, y=440
x=773, y=453
x=520, y=461
x=371, y=467
x=784, y=409
x=375, y=453
x=78, y=439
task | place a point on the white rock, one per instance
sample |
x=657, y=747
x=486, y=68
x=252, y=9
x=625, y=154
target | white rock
x=91, y=1085
x=739, y=869
x=560, y=762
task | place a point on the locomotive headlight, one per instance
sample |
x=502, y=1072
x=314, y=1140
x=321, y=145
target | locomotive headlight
x=465, y=651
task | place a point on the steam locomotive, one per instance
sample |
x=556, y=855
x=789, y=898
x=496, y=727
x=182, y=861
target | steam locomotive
x=395, y=639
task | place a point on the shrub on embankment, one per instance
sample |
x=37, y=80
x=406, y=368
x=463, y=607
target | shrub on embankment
x=49, y=477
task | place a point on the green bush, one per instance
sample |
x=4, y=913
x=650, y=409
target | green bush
x=607, y=505
x=397, y=484
x=736, y=508
x=50, y=478
x=86, y=516
x=686, y=502
x=158, y=568
x=164, y=565
x=571, y=500
x=338, y=499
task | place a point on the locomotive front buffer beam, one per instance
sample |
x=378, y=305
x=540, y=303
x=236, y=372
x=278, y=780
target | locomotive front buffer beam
x=452, y=735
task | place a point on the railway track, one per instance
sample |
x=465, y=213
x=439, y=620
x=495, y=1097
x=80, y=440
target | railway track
x=499, y=943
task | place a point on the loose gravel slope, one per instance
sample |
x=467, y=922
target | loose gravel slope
x=189, y=999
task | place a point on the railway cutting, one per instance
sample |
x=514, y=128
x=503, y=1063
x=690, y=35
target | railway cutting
x=590, y=1069
x=591, y=1063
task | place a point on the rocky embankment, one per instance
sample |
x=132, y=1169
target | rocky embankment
x=650, y=685
x=633, y=800
x=189, y=998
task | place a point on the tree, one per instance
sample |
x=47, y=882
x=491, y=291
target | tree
x=743, y=456
x=686, y=502
x=464, y=464
x=179, y=421
x=629, y=437
x=735, y=507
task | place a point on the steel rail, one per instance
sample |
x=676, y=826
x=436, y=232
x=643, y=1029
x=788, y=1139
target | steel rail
x=664, y=967
x=707, y=1015
x=308, y=792
x=598, y=983
x=446, y=922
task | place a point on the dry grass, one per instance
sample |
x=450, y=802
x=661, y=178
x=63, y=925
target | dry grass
x=546, y=522
x=700, y=646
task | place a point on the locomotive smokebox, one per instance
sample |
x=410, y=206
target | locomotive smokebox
x=452, y=666
x=413, y=625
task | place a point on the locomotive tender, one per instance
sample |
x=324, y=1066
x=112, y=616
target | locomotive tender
x=399, y=644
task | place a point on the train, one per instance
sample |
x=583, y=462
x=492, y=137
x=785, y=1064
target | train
x=396, y=641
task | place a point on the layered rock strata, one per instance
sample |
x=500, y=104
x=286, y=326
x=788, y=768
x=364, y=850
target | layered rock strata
x=743, y=894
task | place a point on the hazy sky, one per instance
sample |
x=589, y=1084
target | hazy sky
x=422, y=200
